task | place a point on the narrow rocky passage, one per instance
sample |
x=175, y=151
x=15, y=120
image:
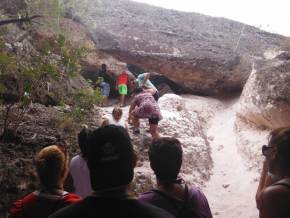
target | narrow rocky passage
x=231, y=188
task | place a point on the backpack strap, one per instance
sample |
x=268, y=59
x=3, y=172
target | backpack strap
x=185, y=196
x=283, y=182
x=173, y=200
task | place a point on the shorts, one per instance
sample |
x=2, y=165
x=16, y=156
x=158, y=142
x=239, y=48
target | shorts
x=105, y=87
x=154, y=121
x=123, y=90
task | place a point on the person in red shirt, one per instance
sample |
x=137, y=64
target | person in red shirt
x=52, y=169
x=122, y=86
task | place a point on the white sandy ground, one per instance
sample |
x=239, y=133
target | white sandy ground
x=232, y=186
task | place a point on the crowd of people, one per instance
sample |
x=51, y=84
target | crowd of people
x=103, y=171
x=143, y=106
x=125, y=81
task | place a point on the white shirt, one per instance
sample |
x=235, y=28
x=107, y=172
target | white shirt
x=120, y=122
x=81, y=176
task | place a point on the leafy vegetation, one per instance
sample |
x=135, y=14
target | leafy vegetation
x=83, y=101
x=23, y=78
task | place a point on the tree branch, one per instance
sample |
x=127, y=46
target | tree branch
x=19, y=20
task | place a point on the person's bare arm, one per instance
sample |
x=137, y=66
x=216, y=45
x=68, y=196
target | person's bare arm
x=146, y=77
x=126, y=127
x=131, y=108
x=272, y=203
x=264, y=182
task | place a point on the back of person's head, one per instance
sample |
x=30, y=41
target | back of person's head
x=111, y=159
x=165, y=155
x=280, y=138
x=117, y=113
x=52, y=166
x=124, y=71
x=82, y=140
x=104, y=66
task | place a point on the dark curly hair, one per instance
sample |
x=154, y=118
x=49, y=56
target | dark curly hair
x=165, y=155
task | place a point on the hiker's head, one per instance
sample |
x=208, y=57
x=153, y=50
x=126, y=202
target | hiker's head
x=279, y=151
x=165, y=155
x=111, y=159
x=104, y=67
x=82, y=140
x=117, y=113
x=133, y=83
x=52, y=166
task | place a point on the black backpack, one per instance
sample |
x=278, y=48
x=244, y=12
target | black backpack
x=183, y=208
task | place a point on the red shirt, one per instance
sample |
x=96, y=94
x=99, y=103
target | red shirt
x=122, y=79
x=38, y=205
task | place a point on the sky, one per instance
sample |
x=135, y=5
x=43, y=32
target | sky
x=269, y=15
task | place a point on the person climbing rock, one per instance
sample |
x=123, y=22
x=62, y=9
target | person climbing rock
x=144, y=82
x=144, y=106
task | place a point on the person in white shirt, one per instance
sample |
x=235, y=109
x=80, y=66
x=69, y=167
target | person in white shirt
x=116, y=119
x=79, y=169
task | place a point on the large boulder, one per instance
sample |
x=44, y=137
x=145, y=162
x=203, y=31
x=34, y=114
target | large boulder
x=265, y=99
x=205, y=55
x=179, y=122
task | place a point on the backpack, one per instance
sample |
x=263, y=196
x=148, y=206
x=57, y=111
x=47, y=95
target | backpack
x=183, y=208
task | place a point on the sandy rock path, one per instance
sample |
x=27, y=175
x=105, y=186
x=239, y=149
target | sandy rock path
x=231, y=188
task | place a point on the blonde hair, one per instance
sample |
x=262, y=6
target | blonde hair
x=52, y=166
x=117, y=111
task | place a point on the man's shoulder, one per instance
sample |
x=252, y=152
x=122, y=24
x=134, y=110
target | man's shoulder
x=147, y=196
x=72, y=211
x=276, y=192
x=76, y=160
x=91, y=207
x=144, y=210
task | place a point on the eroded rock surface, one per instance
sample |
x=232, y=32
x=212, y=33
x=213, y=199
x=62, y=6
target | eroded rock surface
x=265, y=100
x=205, y=55
x=180, y=122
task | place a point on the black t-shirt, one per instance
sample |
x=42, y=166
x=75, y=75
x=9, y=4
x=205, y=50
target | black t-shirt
x=97, y=207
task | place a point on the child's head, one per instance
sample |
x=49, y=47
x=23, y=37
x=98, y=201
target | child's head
x=117, y=113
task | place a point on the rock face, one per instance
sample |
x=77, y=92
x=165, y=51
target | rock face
x=12, y=6
x=205, y=55
x=265, y=100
